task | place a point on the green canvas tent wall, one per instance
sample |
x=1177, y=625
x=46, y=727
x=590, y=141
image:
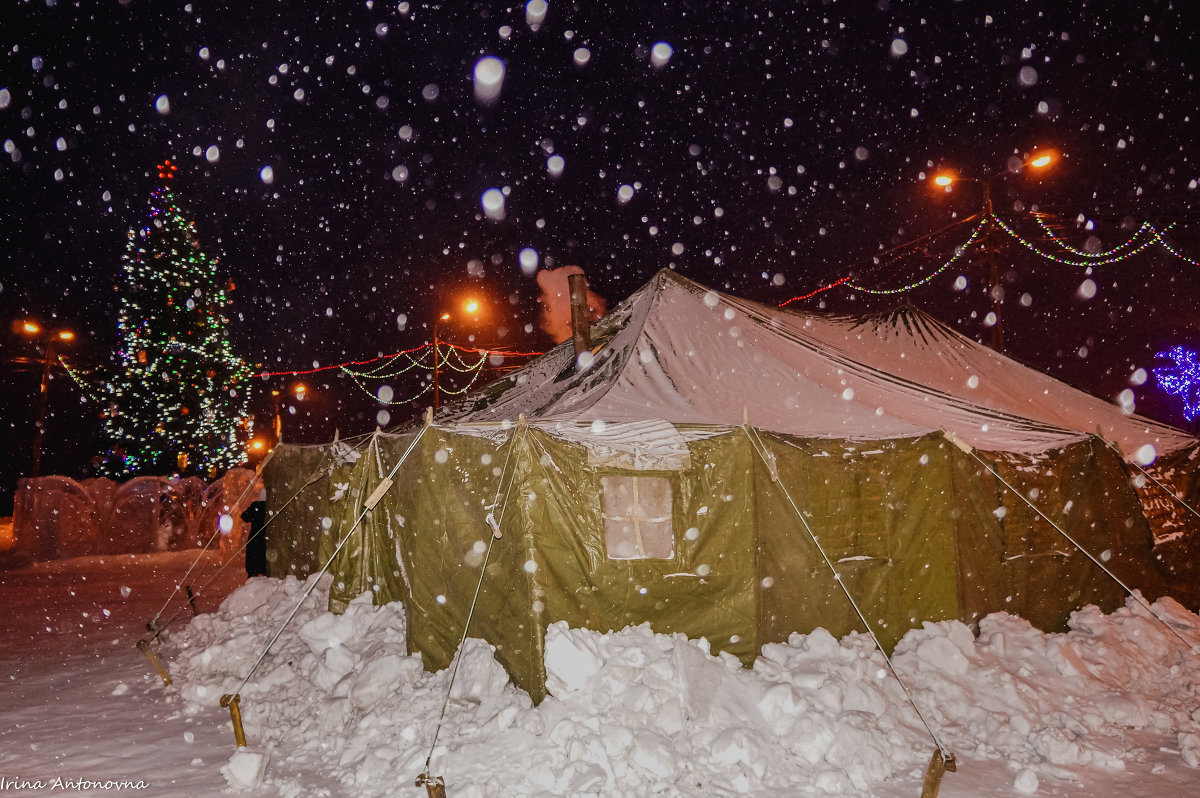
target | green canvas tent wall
x=708, y=472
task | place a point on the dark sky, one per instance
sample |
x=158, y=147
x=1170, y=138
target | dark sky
x=779, y=147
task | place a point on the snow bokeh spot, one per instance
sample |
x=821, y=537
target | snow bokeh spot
x=660, y=54
x=489, y=79
x=492, y=201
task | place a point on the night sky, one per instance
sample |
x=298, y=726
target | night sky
x=334, y=157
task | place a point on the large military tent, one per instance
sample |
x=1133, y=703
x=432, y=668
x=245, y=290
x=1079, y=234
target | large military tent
x=730, y=471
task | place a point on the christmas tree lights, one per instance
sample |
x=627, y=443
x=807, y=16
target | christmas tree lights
x=177, y=398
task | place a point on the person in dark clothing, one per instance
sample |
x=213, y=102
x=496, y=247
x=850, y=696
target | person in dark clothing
x=256, y=540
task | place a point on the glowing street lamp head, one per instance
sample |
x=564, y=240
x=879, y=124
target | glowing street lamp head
x=471, y=306
x=1043, y=159
x=300, y=389
x=944, y=179
x=28, y=327
x=257, y=445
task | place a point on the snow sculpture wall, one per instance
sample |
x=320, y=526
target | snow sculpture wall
x=56, y=517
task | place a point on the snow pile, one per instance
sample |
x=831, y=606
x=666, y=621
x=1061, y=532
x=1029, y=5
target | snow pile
x=632, y=712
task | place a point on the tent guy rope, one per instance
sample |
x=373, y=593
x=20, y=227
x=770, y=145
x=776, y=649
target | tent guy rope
x=436, y=786
x=330, y=461
x=153, y=624
x=942, y=757
x=145, y=644
x=970, y=450
x=230, y=700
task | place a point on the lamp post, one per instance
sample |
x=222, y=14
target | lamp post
x=299, y=390
x=995, y=287
x=470, y=309
x=33, y=329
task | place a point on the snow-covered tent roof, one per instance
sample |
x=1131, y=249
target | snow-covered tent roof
x=913, y=345
x=680, y=352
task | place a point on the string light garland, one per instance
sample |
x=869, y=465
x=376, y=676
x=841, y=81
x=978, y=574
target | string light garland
x=885, y=258
x=423, y=348
x=80, y=377
x=1162, y=242
x=443, y=355
x=1102, y=261
x=377, y=396
x=462, y=365
x=1146, y=228
x=448, y=356
x=958, y=253
x=820, y=290
x=1145, y=236
x=1181, y=379
x=388, y=369
x=176, y=400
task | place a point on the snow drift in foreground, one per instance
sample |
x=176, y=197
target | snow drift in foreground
x=633, y=712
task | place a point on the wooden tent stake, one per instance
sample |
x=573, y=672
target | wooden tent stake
x=235, y=715
x=938, y=766
x=435, y=786
x=144, y=647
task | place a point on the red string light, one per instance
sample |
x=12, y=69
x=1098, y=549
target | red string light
x=814, y=293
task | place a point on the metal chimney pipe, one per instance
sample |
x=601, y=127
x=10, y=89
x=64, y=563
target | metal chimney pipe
x=581, y=328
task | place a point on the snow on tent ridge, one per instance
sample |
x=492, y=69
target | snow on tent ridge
x=633, y=712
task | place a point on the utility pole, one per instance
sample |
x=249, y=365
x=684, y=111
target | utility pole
x=437, y=396
x=33, y=329
x=40, y=425
x=1037, y=161
x=995, y=287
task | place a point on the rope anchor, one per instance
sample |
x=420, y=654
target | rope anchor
x=235, y=715
x=144, y=647
x=435, y=786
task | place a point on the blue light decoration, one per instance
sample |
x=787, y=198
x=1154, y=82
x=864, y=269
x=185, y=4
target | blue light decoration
x=1181, y=379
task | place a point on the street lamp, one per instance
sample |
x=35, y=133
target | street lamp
x=1037, y=161
x=470, y=308
x=299, y=390
x=35, y=330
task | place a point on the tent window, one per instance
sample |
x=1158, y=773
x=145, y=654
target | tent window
x=637, y=518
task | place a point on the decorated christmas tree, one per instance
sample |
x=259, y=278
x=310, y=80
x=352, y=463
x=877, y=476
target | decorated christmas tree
x=177, y=399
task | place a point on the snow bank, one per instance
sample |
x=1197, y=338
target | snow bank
x=637, y=713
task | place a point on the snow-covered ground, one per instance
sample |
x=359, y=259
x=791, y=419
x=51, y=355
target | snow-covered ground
x=339, y=709
x=79, y=702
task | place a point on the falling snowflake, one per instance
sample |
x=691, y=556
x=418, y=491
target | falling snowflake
x=1181, y=379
